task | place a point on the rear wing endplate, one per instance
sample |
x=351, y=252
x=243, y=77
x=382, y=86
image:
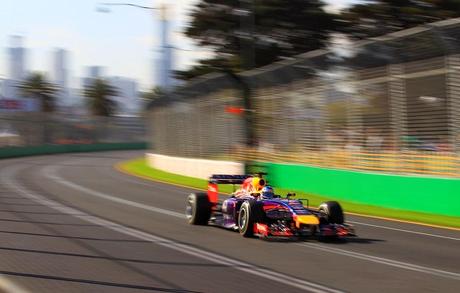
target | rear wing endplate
x=214, y=180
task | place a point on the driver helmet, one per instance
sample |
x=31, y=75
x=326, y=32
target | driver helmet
x=267, y=192
x=258, y=184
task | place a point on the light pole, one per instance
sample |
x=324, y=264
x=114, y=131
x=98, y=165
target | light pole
x=165, y=68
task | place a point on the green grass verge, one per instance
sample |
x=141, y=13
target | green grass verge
x=140, y=168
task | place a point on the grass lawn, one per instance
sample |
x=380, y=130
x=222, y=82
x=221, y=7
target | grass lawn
x=138, y=167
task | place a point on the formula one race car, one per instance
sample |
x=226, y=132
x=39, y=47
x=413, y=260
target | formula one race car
x=255, y=210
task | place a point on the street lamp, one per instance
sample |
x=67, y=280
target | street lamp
x=128, y=4
x=166, y=59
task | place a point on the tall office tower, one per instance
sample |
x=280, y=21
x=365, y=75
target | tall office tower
x=9, y=89
x=95, y=71
x=165, y=79
x=17, y=66
x=92, y=72
x=2, y=87
x=60, y=71
x=127, y=98
x=59, y=74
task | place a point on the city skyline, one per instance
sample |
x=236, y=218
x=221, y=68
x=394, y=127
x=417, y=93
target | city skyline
x=126, y=40
x=67, y=97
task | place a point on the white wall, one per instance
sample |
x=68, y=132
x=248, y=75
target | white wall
x=197, y=168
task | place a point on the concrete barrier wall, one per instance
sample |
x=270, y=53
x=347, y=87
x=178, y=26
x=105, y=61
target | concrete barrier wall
x=198, y=168
x=415, y=193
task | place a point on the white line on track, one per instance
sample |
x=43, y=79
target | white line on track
x=381, y=260
x=50, y=172
x=404, y=230
x=8, y=180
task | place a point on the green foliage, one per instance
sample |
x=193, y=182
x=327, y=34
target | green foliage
x=246, y=34
x=36, y=86
x=374, y=18
x=207, y=66
x=98, y=95
x=153, y=94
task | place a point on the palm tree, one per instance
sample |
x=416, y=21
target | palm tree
x=152, y=95
x=98, y=94
x=37, y=87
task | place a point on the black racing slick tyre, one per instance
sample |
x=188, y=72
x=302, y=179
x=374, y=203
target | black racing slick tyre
x=198, y=209
x=251, y=212
x=332, y=212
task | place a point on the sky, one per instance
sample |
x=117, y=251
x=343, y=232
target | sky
x=125, y=40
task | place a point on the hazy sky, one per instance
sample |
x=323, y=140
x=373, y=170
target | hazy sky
x=123, y=40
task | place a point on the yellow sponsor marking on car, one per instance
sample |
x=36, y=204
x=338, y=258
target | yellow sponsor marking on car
x=306, y=219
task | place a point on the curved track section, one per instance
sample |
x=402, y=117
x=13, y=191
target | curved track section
x=71, y=223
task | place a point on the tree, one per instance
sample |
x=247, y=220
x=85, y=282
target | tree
x=379, y=17
x=153, y=94
x=245, y=34
x=98, y=95
x=203, y=67
x=36, y=86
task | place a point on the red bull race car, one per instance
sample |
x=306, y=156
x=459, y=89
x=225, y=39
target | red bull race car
x=255, y=210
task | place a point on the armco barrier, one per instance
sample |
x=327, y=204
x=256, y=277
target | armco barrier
x=12, y=152
x=414, y=193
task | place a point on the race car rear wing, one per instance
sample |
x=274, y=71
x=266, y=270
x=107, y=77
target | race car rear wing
x=228, y=179
x=214, y=180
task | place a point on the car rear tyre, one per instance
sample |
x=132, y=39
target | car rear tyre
x=198, y=209
x=332, y=212
x=251, y=212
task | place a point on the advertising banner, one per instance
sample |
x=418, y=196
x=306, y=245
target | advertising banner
x=18, y=105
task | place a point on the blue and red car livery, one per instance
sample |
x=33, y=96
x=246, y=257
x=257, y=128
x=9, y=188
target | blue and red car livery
x=252, y=215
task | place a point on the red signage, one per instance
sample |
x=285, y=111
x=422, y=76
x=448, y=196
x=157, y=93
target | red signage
x=11, y=105
x=234, y=110
x=22, y=105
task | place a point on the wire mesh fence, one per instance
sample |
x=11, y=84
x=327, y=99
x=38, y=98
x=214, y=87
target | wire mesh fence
x=390, y=104
x=35, y=129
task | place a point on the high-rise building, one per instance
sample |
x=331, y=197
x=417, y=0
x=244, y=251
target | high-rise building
x=9, y=89
x=164, y=72
x=16, y=68
x=127, y=98
x=59, y=70
x=17, y=63
x=92, y=72
x=95, y=71
x=59, y=75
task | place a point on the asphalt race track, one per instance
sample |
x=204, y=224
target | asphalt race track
x=72, y=223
